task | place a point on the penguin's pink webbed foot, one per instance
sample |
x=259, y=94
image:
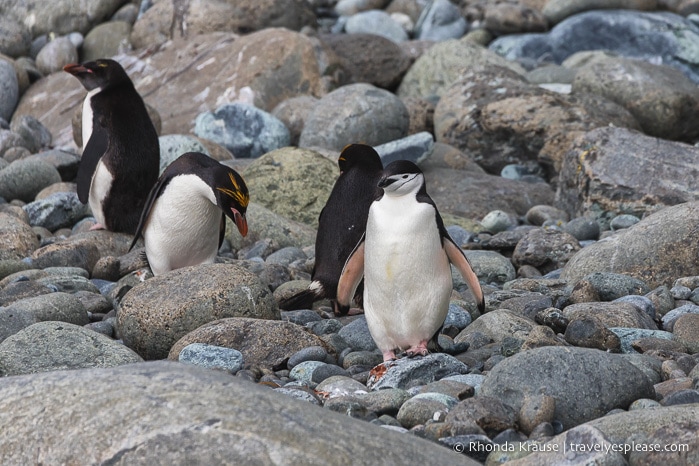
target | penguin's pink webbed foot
x=97, y=226
x=418, y=350
x=389, y=355
x=355, y=311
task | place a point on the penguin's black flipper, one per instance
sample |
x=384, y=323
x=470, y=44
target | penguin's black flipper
x=222, y=230
x=302, y=300
x=456, y=256
x=351, y=276
x=93, y=152
x=154, y=193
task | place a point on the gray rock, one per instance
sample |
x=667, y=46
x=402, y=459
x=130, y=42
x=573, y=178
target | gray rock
x=106, y=40
x=668, y=36
x=246, y=131
x=641, y=251
x=546, y=249
x=212, y=357
x=23, y=179
x=15, y=38
x=497, y=220
x=35, y=134
x=609, y=286
x=489, y=266
x=440, y=20
x=546, y=215
x=58, y=307
x=424, y=407
x=582, y=228
x=671, y=317
x=303, y=372
x=80, y=253
x=588, y=332
x=375, y=22
x=326, y=371
x=9, y=89
x=286, y=256
x=62, y=17
x=292, y=182
x=443, y=63
x=262, y=342
x=154, y=315
x=457, y=317
x=174, y=145
x=356, y=112
x=416, y=148
x=301, y=316
x=489, y=413
x=17, y=239
x=623, y=221
x=356, y=334
x=660, y=97
x=586, y=383
x=498, y=325
x=300, y=394
x=218, y=417
x=56, y=54
x=642, y=303
x=406, y=372
x=611, y=314
x=59, y=210
x=293, y=113
x=12, y=320
x=265, y=223
x=311, y=353
x=340, y=385
x=51, y=346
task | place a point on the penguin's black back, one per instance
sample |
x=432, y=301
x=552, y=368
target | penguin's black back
x=342, y=221
x=132, y=155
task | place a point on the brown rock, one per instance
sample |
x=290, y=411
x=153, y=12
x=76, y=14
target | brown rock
x=541, y=336
x=611, y=314
x=535, y=410
x=513, y=18
x=686, y=331
x=293, y=113
x=489, y=413
x=649, y=344
x=262, y=342
x=670, y=386
x=17, y=239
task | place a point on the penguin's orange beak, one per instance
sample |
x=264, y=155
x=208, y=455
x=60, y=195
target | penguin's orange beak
x=240, y=222
x=75, y=68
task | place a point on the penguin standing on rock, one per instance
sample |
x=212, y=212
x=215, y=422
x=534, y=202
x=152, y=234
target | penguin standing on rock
x=183, y=222
x=121, y=154
x=404, y=259
x=341, y=223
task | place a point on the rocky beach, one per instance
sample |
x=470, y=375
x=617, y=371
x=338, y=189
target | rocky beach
x=559, y=141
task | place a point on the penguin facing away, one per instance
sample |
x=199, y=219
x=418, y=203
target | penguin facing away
x=121, y=155
x=341, y=223
x=183, y=222
x=404, y=260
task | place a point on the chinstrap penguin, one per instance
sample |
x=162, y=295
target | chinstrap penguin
x=183, y=222
x=404, y=260
x=121, y=155
x=341, y=224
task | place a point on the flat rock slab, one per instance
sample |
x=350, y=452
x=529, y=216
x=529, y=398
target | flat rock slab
x=172, y=413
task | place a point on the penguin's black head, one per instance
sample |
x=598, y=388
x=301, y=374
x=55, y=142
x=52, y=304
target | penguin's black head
x=232, y=196
x=402, y=177
x=101, y=73
x=359, y=155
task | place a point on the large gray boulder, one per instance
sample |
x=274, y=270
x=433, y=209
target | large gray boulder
x=59, y=16
x=52, y=346
x=611, y=171
x=642, y=251
x=586, y=383
x=644, y=35
x=292, y=182
x=175, y=414
x=17, y=239
x=155, y=314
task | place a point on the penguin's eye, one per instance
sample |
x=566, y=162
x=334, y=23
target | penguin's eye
x=405, y=176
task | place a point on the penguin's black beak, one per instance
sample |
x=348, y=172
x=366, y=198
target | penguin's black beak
x=385, y=181
x=240, y=222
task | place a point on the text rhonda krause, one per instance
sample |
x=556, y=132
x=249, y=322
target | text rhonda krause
x=624, y=448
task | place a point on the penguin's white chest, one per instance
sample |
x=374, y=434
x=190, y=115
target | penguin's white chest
x=407, y=277
x=101, y=179
x=183, y=227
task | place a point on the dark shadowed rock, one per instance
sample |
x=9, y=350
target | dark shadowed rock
x=586, y=383
x=157, y=313
x=262, y=342
x=657, y=250
x=171, y=413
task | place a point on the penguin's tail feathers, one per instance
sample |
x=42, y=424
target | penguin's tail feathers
x=303, y=299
